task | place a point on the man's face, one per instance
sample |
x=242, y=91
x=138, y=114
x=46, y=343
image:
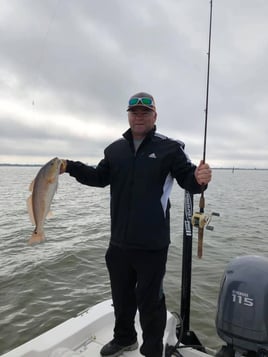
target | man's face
x=141, y=121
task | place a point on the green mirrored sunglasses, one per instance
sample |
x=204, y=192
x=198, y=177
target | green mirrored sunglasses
x=144, y=100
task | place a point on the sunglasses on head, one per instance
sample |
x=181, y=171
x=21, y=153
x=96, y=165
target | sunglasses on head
x=144, y=100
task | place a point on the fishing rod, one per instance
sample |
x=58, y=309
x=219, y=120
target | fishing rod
x=199, y=219
x=202, y=197
x=191, y=220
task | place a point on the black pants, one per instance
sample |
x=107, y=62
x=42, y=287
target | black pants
x=137, y=282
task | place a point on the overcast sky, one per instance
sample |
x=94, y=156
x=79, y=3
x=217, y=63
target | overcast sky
x=68, y=68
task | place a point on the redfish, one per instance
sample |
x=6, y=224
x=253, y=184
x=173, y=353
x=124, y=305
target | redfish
x=43, y=188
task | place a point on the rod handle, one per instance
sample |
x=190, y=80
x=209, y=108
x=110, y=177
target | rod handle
x=200, y=242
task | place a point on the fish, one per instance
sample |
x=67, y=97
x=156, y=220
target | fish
x=43, y=189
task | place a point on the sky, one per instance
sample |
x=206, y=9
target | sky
x=68, y=68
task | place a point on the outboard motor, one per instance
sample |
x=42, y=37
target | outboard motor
x=242, y=314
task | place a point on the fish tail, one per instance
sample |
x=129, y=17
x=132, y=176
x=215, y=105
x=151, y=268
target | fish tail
x=36, y=237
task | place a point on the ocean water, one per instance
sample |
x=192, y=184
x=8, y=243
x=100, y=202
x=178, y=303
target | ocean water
x=43, y=285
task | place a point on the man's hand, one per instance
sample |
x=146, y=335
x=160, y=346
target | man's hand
x=203, y=174
x=63, y=166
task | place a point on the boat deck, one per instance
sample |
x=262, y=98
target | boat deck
x=85, y=335
x=95, y=340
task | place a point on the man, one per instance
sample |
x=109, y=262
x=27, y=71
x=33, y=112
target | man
x=140, y=168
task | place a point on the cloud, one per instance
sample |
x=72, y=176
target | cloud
x=68, y=68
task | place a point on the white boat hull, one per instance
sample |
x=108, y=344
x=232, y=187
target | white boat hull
x=85, y=334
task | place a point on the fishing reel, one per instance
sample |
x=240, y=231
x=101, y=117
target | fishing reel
x=201, y=220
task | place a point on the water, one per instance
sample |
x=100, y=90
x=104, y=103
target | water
x=43, y=285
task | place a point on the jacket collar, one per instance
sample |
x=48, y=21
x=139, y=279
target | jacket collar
x=128, y=134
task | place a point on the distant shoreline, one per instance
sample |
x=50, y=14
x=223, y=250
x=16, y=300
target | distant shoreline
x=22, y=165
x=213, y=168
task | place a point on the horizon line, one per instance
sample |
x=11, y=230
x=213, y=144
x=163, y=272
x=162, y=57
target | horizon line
x=213, y=168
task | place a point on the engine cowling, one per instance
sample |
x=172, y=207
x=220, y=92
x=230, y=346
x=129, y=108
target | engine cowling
x=242, y=313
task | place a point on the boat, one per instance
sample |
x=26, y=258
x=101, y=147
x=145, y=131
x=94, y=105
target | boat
x=84, y=335
x=242, y=322
x=241, y=318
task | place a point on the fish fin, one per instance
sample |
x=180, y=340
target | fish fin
x=49, y=214
x=31, y=186
x=51, y=179
x=36, y=238
x=30, y=209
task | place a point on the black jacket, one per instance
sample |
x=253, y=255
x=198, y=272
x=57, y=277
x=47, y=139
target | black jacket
x=140, y=184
